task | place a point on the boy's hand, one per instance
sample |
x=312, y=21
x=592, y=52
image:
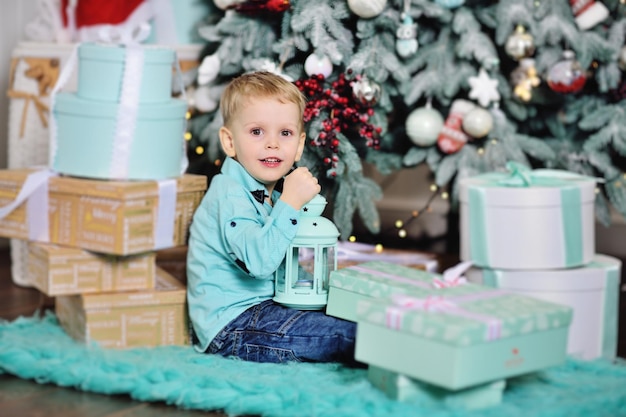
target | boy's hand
x=299, y=188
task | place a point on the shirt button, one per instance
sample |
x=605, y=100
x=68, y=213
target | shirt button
x=233, y=224
x=294, y=221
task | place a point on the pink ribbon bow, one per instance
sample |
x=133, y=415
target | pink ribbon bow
x=401, y=303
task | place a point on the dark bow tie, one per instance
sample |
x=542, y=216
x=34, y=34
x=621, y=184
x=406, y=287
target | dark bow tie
x=259, y=195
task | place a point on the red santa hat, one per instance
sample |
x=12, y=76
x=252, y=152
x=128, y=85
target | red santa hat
x=83, y=20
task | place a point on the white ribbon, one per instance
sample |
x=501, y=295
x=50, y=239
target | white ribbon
x=453, y=276
x=166, y=215
x=35, y=192
x=127, y=111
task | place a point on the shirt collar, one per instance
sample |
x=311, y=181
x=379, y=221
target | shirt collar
x=234, y=169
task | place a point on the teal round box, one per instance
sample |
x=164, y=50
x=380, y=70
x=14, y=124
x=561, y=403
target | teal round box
x=86, y=131
x=101, y=72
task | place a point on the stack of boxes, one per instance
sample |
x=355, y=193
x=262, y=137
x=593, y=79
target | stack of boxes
x=533, y=233
x=423, y=334
x=94, y=224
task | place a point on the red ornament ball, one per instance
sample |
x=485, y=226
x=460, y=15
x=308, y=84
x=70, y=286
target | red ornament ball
x=567, y=76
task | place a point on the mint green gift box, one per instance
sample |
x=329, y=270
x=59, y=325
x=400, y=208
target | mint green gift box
x=375, y=279
x=462, y=336
x=399, y=387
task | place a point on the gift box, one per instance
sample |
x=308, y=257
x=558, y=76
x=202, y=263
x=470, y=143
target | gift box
x=402, y=388
x=462, y=336
x=110, y=217
x=375, y=279
x=592, y=291
x=127, y=319
x=101, y=72
x=541, y=219
x=154, y=150
x=59, y=270
x=354, y=253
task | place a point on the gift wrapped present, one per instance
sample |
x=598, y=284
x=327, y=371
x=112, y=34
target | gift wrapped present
x=109, y=217
x=125, y=319
x=402, y=388
x=35, y=68
x=592, y=291
x=375, y=279
x=60, y=270
x=124, y=103
x=463, y=336
x=541, y=219
x=378, y=279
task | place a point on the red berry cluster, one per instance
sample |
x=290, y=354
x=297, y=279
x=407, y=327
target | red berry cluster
x=345, y=112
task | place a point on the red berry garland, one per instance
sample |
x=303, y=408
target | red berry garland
x=345, y=112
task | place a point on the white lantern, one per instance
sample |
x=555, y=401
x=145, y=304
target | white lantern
x=302, y=279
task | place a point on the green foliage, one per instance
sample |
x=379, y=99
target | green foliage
x=582, y=132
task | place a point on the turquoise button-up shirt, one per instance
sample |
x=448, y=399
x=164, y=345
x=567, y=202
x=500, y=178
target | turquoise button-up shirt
x=236, y=244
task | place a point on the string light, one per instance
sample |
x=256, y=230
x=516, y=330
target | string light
x=400, y=225
x=187, y=136
x=199, y=150
x=352, y=239
x=480, y=151
x=378, y=248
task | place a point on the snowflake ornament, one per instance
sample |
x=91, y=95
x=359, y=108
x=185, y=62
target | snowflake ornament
x=484, y=89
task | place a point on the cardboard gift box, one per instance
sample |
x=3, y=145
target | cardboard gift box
x=402, y=388
x=541, y=219
x=128, y=319
x=592, y=291
x=60, y=270
x=375, y=279
x=110, y=217
x=462, y=336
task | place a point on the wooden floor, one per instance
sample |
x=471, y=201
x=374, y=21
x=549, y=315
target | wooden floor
x=21, y=398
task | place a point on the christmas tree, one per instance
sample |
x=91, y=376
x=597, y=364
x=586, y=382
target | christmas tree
x=462, y=86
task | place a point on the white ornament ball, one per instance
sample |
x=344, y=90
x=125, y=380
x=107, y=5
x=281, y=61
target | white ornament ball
x=367, y=8
x=423, y=126
x=477, y=122
x=316, y=65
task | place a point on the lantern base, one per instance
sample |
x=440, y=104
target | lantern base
x=298, y=305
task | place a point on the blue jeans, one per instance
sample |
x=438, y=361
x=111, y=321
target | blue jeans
x=270, y=332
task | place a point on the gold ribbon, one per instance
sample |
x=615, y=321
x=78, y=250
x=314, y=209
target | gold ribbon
x=41, y=107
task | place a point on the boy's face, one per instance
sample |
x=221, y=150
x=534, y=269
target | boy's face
x=265, y=137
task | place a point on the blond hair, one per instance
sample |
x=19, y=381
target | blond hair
x=261, y=84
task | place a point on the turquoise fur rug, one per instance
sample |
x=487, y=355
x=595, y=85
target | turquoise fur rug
x=37, y=348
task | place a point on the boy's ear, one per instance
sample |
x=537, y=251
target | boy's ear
x=301, y=146
x=226, y=139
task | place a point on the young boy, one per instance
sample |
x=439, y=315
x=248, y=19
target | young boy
x=241, y=232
